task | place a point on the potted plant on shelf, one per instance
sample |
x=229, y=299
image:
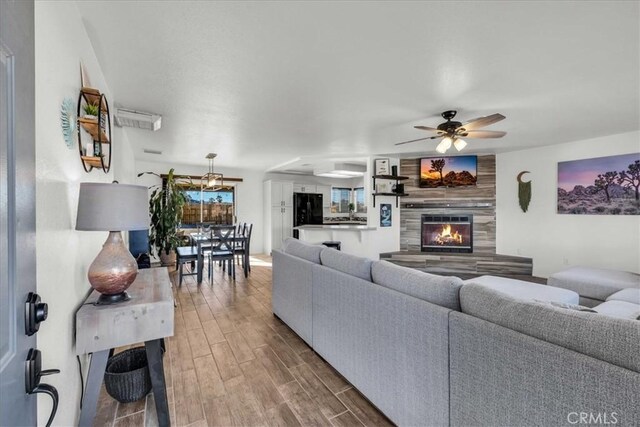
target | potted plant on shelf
x=90, y=111
x=165, y=208
x=352, y=209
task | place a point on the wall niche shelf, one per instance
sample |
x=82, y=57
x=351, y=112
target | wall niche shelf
x=99, y=129
x=395, y=178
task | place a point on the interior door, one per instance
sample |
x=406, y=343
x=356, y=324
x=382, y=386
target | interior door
x=17, y=207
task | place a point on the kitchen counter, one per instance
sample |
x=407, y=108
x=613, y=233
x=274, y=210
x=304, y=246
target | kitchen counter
x=342, y=227
x=344, y=222
x=355, y=239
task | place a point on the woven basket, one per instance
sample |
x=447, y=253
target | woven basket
x=127, y=375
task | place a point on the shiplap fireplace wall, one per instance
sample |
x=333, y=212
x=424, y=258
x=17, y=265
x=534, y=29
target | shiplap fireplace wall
x=478, y=200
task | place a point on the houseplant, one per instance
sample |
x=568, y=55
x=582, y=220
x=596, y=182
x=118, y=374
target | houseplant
x=352, y=209
x=165, y=208
x=91, y=111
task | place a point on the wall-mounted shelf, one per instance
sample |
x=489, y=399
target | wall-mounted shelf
x=91, y=126
x=98, y=128
x=92, y=161
x=395, y=178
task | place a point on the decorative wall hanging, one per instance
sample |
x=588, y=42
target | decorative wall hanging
x=381, y=166
x=524, y=192
x=68, y=121
x=96, y=146
x=385, y=215
x=600, y=186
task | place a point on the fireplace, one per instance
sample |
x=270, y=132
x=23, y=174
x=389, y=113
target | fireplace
x=447, y=233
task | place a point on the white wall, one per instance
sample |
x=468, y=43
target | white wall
x=385, y=239
x=63, y=255
x=555, y=241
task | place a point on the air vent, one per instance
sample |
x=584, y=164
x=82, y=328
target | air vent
x=138, y=119
x=148, y=151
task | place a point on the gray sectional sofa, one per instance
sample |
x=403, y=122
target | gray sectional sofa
x=596, y=285
x=434, y=350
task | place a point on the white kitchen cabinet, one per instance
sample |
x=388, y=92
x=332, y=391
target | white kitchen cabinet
x=281, y=193
x=325, y=190
x=304, y=188
x=278, y=213
x=281, y=225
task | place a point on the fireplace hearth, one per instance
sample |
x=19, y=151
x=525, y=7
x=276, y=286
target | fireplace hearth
x=447, y=233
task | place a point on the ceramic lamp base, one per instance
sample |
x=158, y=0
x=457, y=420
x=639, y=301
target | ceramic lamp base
x=113, y=270
x=112, y=299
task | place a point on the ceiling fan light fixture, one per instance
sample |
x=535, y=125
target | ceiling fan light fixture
x=444, y=145
x=459, y=144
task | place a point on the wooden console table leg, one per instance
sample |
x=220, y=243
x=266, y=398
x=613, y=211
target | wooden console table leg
x=92, y=390
x=156, y=370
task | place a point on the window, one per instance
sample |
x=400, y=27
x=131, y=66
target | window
x=340, y=199
x=218, y=206
x=359, y=200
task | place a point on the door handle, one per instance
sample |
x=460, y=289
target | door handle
x=35, y=312
x=33, y=373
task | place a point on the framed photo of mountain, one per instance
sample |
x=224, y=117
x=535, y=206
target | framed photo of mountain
x=448, y=171
x=600, y=186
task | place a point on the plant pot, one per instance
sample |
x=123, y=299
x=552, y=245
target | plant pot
x=90, y=117
x=126, y=377
x=167, y=260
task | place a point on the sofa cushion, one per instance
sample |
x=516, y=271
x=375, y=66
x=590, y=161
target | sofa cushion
x=439, y=290
x=629, y=295
x=595, y=283
x=302, y=250
x=346, y=263
x=568, y=306
x=526, y=290
x=621, y=309
x=606, y=338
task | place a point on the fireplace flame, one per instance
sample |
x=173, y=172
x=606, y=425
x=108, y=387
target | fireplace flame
x=446, y=237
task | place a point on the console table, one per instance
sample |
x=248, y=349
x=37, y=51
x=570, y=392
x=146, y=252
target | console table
x=147, y=317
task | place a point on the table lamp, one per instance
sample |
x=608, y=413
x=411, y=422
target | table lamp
x=113, y=208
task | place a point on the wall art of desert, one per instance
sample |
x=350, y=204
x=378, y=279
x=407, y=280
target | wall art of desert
x=600, y=186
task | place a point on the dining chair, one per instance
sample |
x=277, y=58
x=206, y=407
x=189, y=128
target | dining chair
x=186, y=254
x=240, y=232
x=222, y=248
x=242, y=250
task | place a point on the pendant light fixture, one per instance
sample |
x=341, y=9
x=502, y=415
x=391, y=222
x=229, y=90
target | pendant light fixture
x=211, y=179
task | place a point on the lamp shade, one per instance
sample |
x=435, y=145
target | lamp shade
x=112, y=207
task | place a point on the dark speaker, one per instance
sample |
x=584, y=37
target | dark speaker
x=399, y=188
x=394, y=170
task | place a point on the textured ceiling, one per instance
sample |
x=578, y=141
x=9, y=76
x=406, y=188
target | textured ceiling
x=264, y=83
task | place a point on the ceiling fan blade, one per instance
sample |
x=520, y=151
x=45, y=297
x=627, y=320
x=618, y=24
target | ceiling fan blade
x=482, y=134
x=416, y=140
x=429, y=129
x=481, y=122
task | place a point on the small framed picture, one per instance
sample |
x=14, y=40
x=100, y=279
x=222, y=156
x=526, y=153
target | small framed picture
x=385, y=215
x=382, y=187
x=381, y=166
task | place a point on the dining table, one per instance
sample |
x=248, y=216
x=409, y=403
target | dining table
x=200, y=239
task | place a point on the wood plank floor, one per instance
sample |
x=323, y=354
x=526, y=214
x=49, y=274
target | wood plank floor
x=232, y=363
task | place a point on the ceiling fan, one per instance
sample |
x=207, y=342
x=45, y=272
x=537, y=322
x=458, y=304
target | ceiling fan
x=452, y=132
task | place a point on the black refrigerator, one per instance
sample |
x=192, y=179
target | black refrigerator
x=307, y=209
